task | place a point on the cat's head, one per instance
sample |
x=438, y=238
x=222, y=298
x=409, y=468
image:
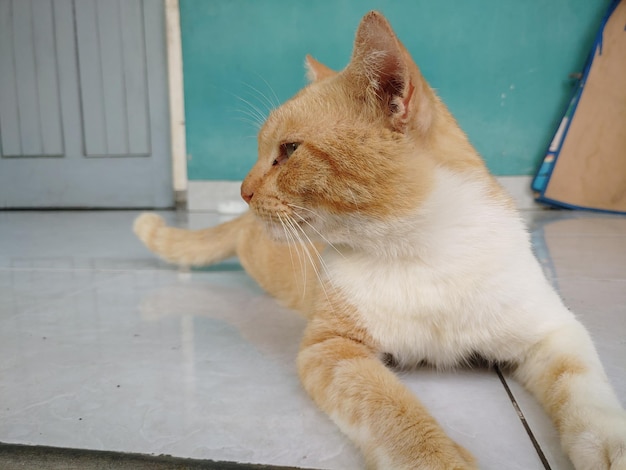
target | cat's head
x=350, y=149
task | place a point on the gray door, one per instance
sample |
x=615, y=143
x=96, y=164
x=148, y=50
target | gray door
x=83, y=104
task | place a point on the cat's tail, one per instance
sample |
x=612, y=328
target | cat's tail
x=190, y=247
x=285, y=271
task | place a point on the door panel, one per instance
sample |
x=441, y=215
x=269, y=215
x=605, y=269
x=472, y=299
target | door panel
x=30, y=111
x=112, y=67
x=135, y=76
x=82, y=79
x=47, y=83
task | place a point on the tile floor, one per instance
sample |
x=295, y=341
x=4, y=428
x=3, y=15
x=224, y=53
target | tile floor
x=104, y=347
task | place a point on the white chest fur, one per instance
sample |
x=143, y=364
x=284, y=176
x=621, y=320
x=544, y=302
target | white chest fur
x=472, y=285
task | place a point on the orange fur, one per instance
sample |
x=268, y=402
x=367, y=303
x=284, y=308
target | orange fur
x=339, y=367
x=554, y=382
x=316, y=70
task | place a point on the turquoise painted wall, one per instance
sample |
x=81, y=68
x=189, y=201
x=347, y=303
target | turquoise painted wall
x=501, y=66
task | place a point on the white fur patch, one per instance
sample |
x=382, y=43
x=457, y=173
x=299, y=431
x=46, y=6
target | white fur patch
x=470, y=284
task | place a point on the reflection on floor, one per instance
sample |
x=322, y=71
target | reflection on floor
x=104, y=347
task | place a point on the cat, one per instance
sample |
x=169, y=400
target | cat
x=372, y=214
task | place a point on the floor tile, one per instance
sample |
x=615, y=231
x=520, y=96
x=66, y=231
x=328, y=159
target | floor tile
x=82, y=239
x=476, y=412
x=195, y=365
x=584, y=254
x=103, y=346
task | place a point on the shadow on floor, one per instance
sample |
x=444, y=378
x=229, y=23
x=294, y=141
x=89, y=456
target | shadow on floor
x=14, y=457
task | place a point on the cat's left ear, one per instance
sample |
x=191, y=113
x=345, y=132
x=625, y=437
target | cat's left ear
x=382, y=67
x=316, y=70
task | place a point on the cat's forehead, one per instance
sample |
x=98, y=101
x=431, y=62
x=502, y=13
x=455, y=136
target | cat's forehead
x=313, y=109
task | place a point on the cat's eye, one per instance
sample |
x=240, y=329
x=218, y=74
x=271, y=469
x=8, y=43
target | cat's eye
x=286, y=150
x=289, y=148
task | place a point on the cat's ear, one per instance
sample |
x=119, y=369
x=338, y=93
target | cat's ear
x=316, y=70
x=382, y=67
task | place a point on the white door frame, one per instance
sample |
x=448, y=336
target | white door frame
x=176, y=101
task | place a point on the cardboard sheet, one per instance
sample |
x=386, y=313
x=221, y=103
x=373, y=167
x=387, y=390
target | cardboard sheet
x=588, y=164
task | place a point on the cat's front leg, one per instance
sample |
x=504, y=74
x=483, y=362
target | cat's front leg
x=368, y=402
x=564, y=372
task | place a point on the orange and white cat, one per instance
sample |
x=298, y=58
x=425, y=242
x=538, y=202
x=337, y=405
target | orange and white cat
x=423, y=257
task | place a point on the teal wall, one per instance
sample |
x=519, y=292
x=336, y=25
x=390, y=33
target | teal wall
x=501, y=66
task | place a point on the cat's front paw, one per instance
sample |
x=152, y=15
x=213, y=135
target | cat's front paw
x=600, y=444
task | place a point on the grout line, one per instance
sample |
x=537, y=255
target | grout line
x=520, y=415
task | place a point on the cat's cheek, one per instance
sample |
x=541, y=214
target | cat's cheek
x=304, y=175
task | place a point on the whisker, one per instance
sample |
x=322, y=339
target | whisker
x=253, y=122
x=271, y=90
x=300, y=228
x=318, y=232
x=294, y=228
x=290, y=237
x=244, y=113
x=304, y=209
x=253, y=109
x=319, y=257
x=302, y=250
x=249, y=112
x=264, y=99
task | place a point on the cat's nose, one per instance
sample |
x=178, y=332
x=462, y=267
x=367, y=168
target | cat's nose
x=247, y=196
x=248, y=188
